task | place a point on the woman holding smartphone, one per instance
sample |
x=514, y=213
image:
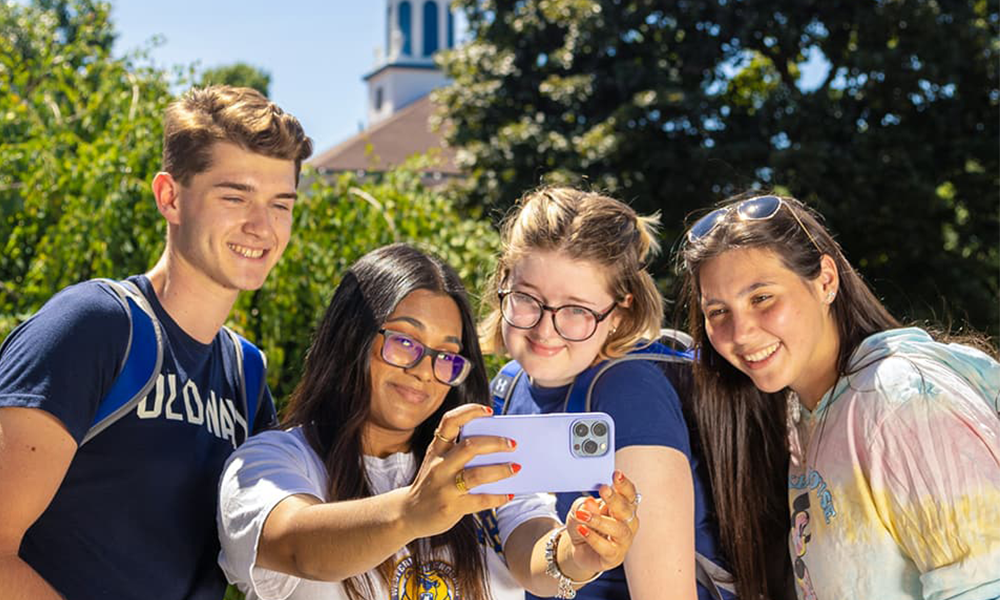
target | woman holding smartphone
x=570, y=291
x=365, y=494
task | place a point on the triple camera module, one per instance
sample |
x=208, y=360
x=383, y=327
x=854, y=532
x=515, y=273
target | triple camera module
x=590, y=438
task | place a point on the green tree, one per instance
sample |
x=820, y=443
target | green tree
x=674, y=106
x=240, y=75
x=80, y=135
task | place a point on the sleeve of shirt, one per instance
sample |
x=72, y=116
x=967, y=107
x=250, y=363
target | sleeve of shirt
x=65, y=358
x=524, y=507
x=935, y=478
x=644, y=406
x=267, y=416
x=261, y=473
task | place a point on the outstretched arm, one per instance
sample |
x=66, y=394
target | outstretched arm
x=332, y=541
x=35, y=453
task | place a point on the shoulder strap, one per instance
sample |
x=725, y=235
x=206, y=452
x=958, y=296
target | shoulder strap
x=142, y=362
x=502, y=386
x=251, y=367
x=578, y=398
x=713, y=577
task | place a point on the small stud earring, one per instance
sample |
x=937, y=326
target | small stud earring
x=831, y=296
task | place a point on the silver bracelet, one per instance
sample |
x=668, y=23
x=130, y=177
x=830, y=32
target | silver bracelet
x=565, y=588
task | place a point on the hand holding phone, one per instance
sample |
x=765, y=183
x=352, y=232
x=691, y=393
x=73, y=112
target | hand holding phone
x=558, y=452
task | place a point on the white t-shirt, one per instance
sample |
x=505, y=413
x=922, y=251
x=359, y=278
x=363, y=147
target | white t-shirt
x=274, y=465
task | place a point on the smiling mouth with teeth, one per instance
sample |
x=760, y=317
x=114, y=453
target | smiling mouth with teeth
x=247, y=252
x=762, y=354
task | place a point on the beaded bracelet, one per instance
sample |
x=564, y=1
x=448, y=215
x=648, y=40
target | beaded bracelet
x=565, y=589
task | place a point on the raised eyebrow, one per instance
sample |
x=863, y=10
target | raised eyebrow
x=571, y=301
x=232, y=185
x=744, y=292
x=419, y=325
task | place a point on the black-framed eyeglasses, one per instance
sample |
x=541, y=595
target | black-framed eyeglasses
x=401, y=350
x=572, y=322
x=759, y=208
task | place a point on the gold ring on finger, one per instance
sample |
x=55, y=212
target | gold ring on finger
x=460, y=482
x=437, y=434
x=629, y=520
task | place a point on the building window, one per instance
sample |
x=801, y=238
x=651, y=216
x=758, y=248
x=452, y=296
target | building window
x=378, y=99
x=404, y=27
x=451, y=30
x=430, y=27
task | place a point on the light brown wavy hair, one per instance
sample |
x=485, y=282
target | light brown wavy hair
x=585, y=226
x=243, y=116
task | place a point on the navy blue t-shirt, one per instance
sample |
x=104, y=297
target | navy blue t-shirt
x=646, y=412
x=135, y=515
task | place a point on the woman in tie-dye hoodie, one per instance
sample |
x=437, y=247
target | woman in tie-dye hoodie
x=893, y=452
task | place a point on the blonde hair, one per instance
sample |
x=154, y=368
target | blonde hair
x=585, y=226
x=220, y=113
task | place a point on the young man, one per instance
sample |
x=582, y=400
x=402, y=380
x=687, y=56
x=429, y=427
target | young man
x=131, y=513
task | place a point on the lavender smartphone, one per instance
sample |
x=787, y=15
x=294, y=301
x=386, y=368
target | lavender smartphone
x=558, y=452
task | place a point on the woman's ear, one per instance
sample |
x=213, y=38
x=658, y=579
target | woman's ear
x=616, y=318
x=828, y=281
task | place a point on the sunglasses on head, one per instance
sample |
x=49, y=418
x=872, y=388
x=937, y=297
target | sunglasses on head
x=760, y=208
x=401, y=350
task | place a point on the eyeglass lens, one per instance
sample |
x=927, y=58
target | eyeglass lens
x=402, y=351
x=754, y=209
x=574, y=323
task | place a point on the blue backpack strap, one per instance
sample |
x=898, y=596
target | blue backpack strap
x=579, y=395
x=502, y=386
x=251, y=367
x=142, y=362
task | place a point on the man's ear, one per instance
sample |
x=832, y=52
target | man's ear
x=166, y=190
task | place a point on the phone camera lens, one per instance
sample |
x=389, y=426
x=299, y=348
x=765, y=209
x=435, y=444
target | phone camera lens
x=590, y=446
x=600, y=429
x=580, y=429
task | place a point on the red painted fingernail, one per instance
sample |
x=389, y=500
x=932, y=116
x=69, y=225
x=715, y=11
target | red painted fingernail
x=510, y=496
x=512, y=443
x=489, y=410
x=582, y=530
x=514, y=467
x=583, y=516
x=619, y=476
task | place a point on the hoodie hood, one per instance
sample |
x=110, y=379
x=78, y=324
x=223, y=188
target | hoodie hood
x=981, y=372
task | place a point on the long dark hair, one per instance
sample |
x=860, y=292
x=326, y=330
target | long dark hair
x=744, y=430
x=332, y=401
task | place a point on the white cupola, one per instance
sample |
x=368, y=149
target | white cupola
x=405, y=71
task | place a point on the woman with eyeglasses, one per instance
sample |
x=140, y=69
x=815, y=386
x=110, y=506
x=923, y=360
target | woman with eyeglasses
x=570, y=291
x=893, y=478
x=365, y=495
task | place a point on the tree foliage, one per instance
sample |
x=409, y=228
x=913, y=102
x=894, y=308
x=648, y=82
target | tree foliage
x=81, y=140
x=80, y=135
x=240, y=75
x=881, y=114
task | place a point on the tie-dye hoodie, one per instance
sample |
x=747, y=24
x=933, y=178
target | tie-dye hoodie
x=894, y=486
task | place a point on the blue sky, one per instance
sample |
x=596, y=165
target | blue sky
x=316, y=51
